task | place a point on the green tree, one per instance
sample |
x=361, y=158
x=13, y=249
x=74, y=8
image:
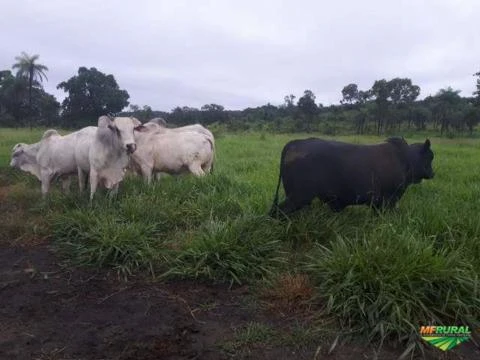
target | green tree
x=308, y=108
x=286, y=111
x=402, y=95
x=364, y=96
x=147, y=112
x=419, y=115
x=13, y=95
x=142, y=114
x=28, y=68
x=91, y=94
x=46, y=107
x=477, y=93
x=446, y=105
x=471, y=118
x=289, y=101
x=185, y=115
x=403, y=91
x=14, y=107
x=350, y=94
x=211, y=113
x=381, y=92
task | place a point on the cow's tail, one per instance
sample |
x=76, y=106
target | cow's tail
x=212, y=147
x=274, y=210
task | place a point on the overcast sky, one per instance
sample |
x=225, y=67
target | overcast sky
x=246, y=52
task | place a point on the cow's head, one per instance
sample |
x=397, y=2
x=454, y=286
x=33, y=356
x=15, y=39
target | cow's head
x=421, y=160
x=24, y=157
x=17, y=158
x=123, y=129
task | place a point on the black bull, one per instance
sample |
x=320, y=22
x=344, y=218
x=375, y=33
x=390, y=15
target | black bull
x=342, y=174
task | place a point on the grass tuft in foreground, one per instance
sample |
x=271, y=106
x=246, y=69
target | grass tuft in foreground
x=385, y=287
x=234, y=251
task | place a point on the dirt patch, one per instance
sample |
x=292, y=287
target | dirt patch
x=47, y=312
x=51, y=313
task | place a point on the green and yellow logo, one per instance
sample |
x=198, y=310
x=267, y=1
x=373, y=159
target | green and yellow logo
x=445, y=337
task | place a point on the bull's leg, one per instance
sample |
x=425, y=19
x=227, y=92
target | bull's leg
x=93, y=182
x=336, y=206
x=386, y=204
x=289, y=206
x=196, y=169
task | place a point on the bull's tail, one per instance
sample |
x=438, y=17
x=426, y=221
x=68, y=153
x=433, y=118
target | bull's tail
x=274, y=210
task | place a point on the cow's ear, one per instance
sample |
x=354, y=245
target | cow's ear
x=106, y=121
x=140, y=128
x=135, y=121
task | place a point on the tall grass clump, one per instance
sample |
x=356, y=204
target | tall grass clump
x=93, y=238
x=385, y=286
x=234, y=251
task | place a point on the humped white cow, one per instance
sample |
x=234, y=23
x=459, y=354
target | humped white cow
x=52, y=157
x=172, y=152
x=110, y=151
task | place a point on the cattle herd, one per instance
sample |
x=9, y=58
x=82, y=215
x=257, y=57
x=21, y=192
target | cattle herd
x=116, y=145
x=338, y=173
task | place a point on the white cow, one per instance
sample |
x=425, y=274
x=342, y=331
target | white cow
x=52, y=157
x=110, y=151
x=24, y=157
x=172, y=152
x=161, y=123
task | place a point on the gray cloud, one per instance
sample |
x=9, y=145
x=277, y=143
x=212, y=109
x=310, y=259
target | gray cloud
x=240, y=54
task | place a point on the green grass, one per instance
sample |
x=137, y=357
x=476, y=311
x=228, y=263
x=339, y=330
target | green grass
x=381, y=276
x=260, y=335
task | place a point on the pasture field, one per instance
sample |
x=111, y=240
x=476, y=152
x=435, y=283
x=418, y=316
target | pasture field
x=354, y=276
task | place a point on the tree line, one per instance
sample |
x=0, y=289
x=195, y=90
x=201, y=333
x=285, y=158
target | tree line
x=388, y=106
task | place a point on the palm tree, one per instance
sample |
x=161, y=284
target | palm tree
x=28, y=69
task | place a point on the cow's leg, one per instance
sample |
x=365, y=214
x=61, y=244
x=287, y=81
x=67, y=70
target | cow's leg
x=66, y=181
x=114, y=191
x=46, y=179
x=336, y=206
x=147, y=173
x=82, y=178
x=385, y=204
x=392, y=204
x=196, y=169
x=93, y=182
x=291, y=205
